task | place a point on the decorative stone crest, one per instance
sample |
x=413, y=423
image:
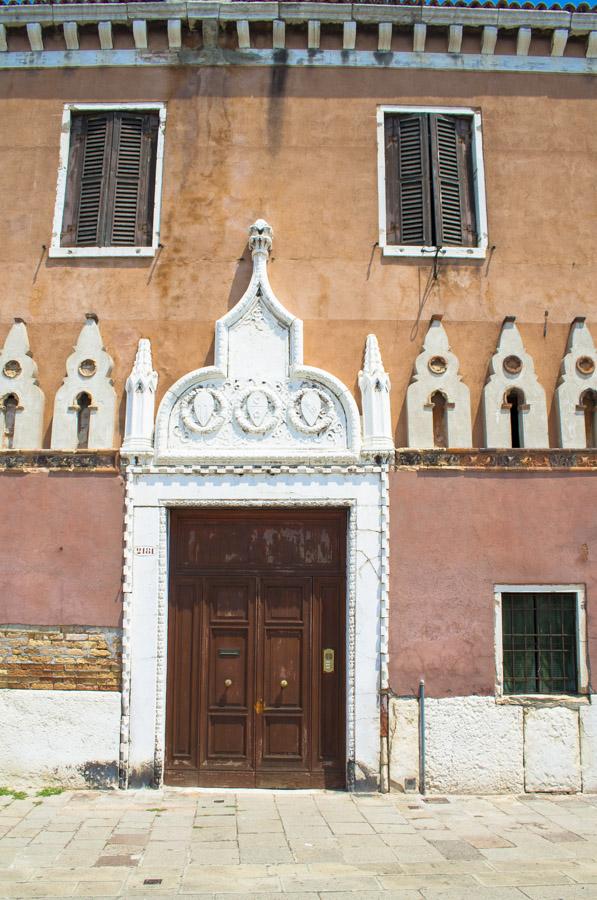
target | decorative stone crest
x=21, y=399
x=88, y=371
x=258, y=401
x=512, y=369
x=577, y=387
x=436, y=372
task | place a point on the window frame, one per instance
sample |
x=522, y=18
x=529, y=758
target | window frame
x=421, y=251
x=581, y=641
x=56, y=250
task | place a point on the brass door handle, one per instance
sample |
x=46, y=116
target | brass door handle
x=283, y=683
x=228, y=682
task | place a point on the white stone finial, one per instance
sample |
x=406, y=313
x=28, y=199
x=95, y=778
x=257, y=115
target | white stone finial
x=21, y=399
x=260, y=238
x=140, y=402
x=374, y=384
x=87, y=385
x=512, y=376
x=578, y=375
x=436, y=372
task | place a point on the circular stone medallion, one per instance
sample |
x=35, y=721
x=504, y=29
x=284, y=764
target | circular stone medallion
x=12, y=368
x=585, y=365
x=513, y=365
x=437, y=365
x=87, y=368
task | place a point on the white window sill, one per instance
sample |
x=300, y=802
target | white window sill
x=429, y=252
x=543, y=700
x=99, y=252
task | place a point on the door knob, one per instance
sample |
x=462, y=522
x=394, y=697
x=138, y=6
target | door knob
x=228, y=682
x=283, y=683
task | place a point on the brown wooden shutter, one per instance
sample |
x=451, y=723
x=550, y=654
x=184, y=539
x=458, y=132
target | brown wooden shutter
x=132, y=176
x=408, y=180
x=452, y=181
x=86, y=180
x=110, y=180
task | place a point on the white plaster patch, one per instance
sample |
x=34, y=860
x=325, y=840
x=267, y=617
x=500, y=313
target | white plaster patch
x=67, y=738
x=588, y=742
x=473, y=746
x=551, y=749
x=404, y=740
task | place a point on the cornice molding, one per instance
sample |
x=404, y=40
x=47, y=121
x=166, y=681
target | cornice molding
x=176, y=18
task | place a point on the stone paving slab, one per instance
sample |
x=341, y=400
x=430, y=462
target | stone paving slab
x=303, y=845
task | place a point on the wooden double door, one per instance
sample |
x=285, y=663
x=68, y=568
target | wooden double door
x=256, y=651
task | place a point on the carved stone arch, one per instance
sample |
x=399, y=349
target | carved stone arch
x=437, y=369
x=18, y=378
x=511, y=367
x=259, y=401
x=578, y=374
x=88, y=371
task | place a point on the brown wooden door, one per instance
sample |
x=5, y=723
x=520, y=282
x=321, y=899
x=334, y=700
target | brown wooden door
x=255, y=600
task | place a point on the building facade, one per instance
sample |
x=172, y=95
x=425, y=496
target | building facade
x=298, y=398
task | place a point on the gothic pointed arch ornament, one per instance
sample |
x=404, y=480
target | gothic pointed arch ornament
x=258, y=400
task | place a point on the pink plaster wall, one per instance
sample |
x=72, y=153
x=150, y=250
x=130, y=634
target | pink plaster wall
x=61, y=549
x=455, y=535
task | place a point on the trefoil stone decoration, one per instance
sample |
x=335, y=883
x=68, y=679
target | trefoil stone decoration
x=438, y=405
x=576, y=393
x=258, y=401
x=85, y=404
x=140, y=402
x=375, y=386
x=514, y=407
x=21, y=399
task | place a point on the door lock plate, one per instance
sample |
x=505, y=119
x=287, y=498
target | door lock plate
x=328, y=660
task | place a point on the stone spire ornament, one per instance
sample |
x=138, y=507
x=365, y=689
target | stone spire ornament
x=577, y=386
x=140, y=402
x=87, y=388
x=436, y=373
x=21, y=399
x=374, y=384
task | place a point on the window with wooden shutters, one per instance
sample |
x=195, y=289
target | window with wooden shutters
x=110, y=186
x=432, y=171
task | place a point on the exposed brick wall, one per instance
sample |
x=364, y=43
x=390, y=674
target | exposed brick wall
x=62, y=658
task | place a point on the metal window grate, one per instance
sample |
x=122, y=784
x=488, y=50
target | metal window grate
x=539, y=643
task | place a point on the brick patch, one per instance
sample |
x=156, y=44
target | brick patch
x=60, y=658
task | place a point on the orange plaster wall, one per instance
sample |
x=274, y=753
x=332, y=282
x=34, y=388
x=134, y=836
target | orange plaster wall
x=454, y=535
x=298, y=147
x=61, y=539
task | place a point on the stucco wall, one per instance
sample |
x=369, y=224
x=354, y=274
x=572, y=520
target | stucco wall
x=61, y=549
x=454, y=535
x=299, y=147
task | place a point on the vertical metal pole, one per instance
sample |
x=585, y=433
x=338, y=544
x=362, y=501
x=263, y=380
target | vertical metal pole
x=422, y=736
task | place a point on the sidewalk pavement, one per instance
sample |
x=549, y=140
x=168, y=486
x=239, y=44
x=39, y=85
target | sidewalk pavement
x=298, y=845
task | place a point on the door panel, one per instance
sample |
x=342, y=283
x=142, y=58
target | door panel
x=228, y=655
x=250, y=701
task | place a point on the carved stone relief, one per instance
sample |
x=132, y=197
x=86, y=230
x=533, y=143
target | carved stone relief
x=258, y=400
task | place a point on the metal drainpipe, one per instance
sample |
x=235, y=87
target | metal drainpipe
x=422, y=736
